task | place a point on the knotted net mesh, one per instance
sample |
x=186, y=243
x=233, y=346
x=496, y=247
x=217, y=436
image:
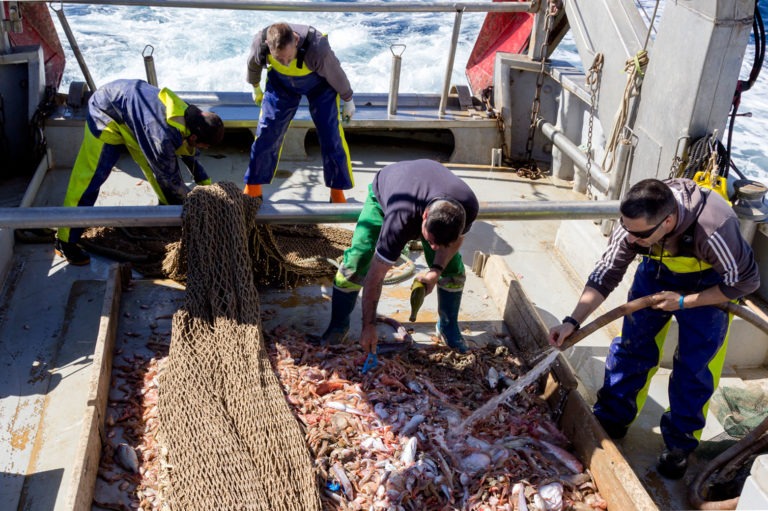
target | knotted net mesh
x=230, y=438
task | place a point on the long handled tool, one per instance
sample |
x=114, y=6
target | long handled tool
x=741, y=311
x=755, y=441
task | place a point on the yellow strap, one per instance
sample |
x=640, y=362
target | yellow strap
x=291, y=69
x=681, y=264
x=174, y=110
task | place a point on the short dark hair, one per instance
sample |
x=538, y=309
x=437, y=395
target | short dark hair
x=650, y=199
x=279, y=35
x=206, y=126
x=445, y=221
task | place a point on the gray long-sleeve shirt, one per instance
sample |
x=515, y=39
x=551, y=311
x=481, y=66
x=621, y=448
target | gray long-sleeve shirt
x=717, y=240
x=319, y=58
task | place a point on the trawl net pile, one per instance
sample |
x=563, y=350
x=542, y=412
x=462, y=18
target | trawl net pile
x=232, y=441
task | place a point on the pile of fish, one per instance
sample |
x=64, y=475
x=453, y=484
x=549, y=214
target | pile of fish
x=405, y=435
x=130, y=475
x=398, y=437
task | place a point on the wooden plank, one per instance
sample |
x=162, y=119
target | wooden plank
x=617, y=482
x=81, y=486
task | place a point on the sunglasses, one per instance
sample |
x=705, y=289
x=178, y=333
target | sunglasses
x=642, y=234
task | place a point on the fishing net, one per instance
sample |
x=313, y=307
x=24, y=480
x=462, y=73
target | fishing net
x=232, y=441
x=739, y=410
x=285, y=254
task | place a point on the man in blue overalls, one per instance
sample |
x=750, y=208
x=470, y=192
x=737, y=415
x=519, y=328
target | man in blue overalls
x=300, y=62
x=693, y=257
x=156, y=127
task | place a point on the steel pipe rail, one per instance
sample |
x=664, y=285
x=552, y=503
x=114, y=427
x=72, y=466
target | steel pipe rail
x=303, y=6
x=279, y=213
x=596, y=173
x=375, y=6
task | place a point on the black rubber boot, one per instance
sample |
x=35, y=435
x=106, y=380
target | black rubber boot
x=614, y=430
x=72, y=253
x=342, y=304
x=448, y=303
x=672, y=463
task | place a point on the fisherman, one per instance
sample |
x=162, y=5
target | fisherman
x=300, y=62
x=693, y=257
x=408, y=200
x=156, y=127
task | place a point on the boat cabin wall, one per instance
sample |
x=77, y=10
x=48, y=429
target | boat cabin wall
x=22, y=87
x=690, y=80
x=564, y=104
x=515, y=79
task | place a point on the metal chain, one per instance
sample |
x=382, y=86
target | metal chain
x=676, y=169
x=501, y=126
x=37, y=123
x=532, y=171
x=593, y=82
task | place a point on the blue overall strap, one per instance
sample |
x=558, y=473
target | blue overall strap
x=304, y=46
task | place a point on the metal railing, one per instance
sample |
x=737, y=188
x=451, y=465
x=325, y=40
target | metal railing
x=300, y=6
x=278, y=213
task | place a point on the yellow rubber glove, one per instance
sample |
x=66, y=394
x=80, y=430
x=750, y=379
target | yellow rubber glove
x=257, y=95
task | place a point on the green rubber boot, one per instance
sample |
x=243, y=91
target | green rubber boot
x=342, y=304
x=448, y=302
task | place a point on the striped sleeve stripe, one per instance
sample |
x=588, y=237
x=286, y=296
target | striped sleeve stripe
x=606, y=262
x=725, y=256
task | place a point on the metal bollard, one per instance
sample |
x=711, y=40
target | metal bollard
x=394, y=83
x=749, y=205
x=149, y=64
x=496, y=157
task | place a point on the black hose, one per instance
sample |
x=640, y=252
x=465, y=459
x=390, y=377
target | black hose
x=753, y=442
x=758, y=28
x=741, y=311
x=737, y=171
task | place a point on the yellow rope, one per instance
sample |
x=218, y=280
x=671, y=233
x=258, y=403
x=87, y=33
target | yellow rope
x=635, y=69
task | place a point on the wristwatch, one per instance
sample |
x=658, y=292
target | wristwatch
x=576, y=324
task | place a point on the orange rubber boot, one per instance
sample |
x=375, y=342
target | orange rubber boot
x=337, y=196
x=252, y=190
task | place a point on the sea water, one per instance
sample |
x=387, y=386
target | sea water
x=207, y=49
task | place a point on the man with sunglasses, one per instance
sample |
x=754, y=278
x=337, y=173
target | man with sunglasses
x=693, y=257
